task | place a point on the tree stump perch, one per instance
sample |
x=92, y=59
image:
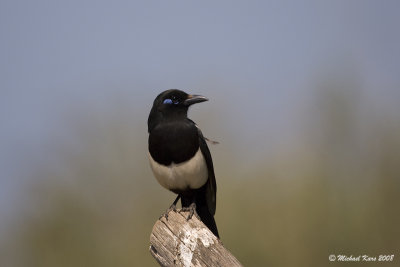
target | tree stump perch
x=178, y=242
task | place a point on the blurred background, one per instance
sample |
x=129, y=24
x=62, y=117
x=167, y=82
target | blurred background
x=304, y=100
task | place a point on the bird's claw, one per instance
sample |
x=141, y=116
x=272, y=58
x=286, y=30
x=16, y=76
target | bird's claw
x=171, y=208
x=192, y=211
x=165, y=215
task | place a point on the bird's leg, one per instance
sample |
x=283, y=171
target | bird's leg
x=192, y=211
x=172, y=207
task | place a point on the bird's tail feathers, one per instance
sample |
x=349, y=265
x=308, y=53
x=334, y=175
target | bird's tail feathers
x=199, y=198
x=207, y=218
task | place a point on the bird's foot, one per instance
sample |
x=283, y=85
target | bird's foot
x=192, y=211
x=165, y=215
x=171, y=208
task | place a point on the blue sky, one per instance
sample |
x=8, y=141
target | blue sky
x=256, y=59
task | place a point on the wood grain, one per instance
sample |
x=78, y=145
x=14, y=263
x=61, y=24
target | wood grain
x=178, y=242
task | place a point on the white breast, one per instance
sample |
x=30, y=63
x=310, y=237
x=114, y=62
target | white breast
x=189, y=174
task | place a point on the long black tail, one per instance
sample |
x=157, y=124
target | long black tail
x=199, y=198
x=207, y=218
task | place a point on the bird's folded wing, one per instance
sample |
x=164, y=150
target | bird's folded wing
x=211, y=185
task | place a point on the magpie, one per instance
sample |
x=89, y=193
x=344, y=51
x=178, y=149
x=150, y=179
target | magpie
x=179, y=156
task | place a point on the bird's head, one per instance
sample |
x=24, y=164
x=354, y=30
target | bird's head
x=173, y=100
x=172, y=104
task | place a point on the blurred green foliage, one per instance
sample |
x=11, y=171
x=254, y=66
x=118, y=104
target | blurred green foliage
x=336, y=192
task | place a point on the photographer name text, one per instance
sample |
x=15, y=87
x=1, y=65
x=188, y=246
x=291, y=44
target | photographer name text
x=361, y=258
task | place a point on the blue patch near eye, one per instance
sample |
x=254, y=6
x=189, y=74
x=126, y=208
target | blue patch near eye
x=167, y=101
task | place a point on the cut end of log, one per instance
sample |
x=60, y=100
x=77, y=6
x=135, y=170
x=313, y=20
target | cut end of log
x=176, y=241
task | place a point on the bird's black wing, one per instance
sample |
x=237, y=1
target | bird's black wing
x=211, y=185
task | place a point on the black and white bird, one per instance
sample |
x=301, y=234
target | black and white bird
x=179, y=156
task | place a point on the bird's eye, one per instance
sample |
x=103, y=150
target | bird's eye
x=167, y=101
x=172, y=100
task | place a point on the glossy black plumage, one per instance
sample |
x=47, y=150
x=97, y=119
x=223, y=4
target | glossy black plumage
x=173, y=142
x=175, y=139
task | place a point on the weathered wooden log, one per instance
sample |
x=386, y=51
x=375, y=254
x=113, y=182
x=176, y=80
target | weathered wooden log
x=178, y=242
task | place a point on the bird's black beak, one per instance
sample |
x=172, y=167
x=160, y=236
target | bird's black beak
x=193, y=99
